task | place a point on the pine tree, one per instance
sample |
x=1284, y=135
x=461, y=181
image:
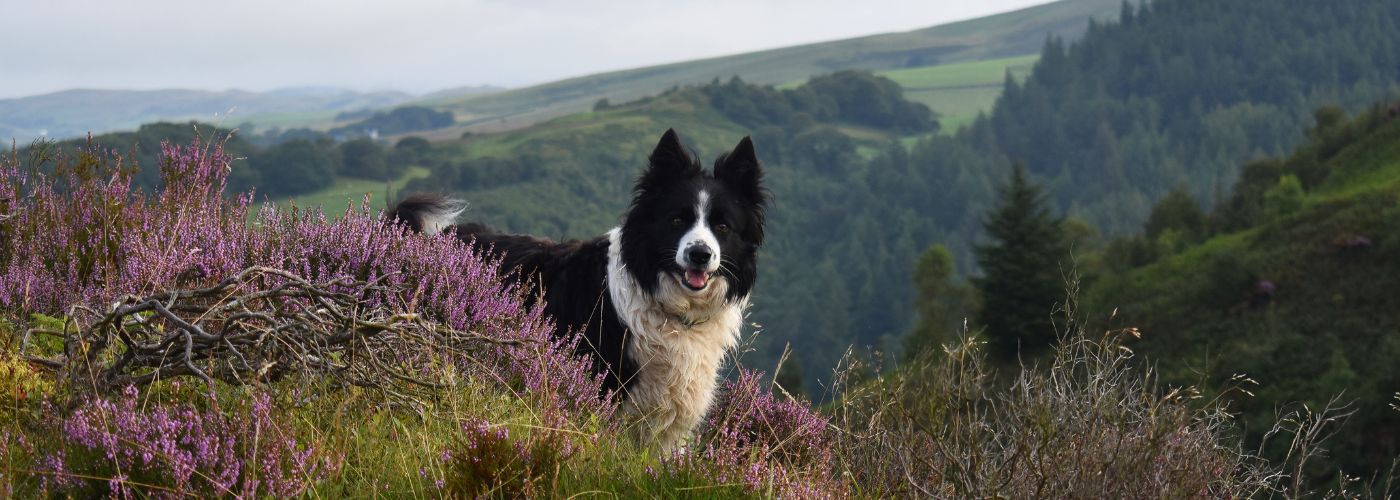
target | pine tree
x=1021, y=282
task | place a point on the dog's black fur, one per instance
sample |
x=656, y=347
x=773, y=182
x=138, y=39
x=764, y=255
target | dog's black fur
x=573, y=276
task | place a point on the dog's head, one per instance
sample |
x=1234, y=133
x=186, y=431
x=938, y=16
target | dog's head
x=692, y=233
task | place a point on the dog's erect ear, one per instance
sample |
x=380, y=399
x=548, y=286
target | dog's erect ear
x=740, y=170
x=670, y=159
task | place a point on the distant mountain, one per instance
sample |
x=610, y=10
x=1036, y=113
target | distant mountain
x=73, y=113
x=1017, y=33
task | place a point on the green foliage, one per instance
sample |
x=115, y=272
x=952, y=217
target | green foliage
x=789, y=376
x=1326, y=120
x=1022, y=281
x=866, y=99
x=398, y=121
x=824, y=151
x=408, y=151
x=1284, y=198
x=856, y=97
x=296, y=166
x=1294, y=289
x=1188, y=90
x=364, y=159
x=942, y=304
x=21, y=385
x=1177, y=211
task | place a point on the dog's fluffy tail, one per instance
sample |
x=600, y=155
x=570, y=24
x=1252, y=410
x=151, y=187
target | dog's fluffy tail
x=427, y=213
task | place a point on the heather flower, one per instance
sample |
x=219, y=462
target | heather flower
x=202, y=451
x=83, y=236
x=766, y=443
x=748, y=417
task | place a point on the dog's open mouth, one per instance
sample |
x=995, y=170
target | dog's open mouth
x=695, y=279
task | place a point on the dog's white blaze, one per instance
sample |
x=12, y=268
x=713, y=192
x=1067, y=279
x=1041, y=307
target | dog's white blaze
x=678, y=338
x=700, y=234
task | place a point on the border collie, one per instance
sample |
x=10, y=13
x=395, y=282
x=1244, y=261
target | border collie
x=659, y=300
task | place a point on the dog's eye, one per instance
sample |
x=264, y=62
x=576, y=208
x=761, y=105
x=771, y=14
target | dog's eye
x=678, y=222
x=723, y=228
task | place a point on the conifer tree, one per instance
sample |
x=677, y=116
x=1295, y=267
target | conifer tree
x=1021, y=279
x=942, y=304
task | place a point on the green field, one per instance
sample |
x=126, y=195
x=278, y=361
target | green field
x=957, y=92
x=347, y=191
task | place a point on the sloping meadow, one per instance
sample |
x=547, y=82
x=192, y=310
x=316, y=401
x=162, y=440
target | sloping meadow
x=165, y=344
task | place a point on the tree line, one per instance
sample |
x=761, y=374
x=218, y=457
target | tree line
x=276, y=163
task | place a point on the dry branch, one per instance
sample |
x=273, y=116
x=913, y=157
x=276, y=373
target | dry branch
x=257, y=326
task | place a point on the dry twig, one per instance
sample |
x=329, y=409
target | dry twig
x=257, y=326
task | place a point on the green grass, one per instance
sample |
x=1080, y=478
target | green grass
x=978, y=73
x=346, y=191
x=958, y=92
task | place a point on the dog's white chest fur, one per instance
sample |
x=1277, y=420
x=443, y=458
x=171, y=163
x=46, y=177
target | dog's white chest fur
x=678, y=340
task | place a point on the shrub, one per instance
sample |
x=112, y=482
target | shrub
x=179, y=449
x=767, y=442
x=1285, y=197
x=1089, y=425
x=488, y=460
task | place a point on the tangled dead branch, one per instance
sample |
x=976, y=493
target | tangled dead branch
x=257, y=326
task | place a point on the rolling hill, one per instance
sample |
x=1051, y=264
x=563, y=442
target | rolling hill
x=1017, y=33
x=74, y=113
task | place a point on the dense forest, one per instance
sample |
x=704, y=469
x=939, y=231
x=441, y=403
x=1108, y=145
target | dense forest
x=1184, y=91
x=1177, y=95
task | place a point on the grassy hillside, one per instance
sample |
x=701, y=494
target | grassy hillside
x=348, y=191
x=959, y=91
x=1301, y=299
x=993, y=37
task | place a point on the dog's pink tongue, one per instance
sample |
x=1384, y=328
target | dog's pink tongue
x=696, y=279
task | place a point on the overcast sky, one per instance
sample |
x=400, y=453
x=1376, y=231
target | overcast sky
x=411, y=45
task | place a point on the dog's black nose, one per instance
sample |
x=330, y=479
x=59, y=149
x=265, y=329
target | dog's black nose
x=699, y=255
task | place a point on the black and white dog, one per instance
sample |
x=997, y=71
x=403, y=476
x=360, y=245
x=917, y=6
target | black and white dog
x=661, y=299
